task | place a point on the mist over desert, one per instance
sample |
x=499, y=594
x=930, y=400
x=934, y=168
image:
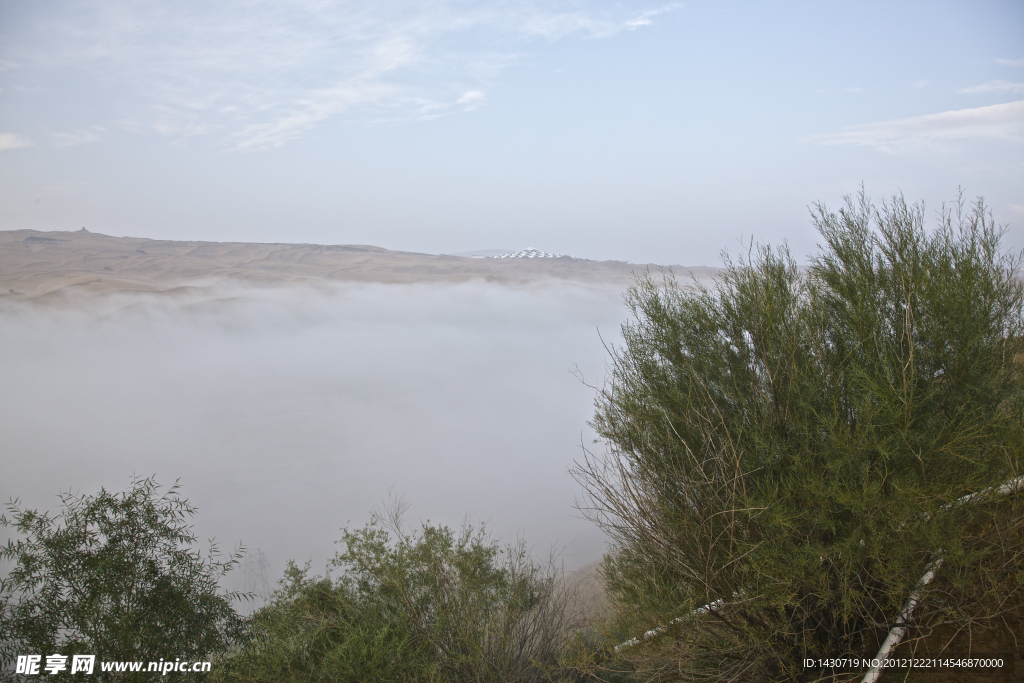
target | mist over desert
x=293, y=388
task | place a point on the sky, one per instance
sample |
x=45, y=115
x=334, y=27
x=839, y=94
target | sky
x=640, y=131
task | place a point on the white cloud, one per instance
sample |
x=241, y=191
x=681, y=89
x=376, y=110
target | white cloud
x=646, y=18
x=996, y=86
x=556, y=25
x=921, y=83
x=78, y=138
x=471, y=99
x=1009, y=62
x=1002, y=121
x=260, y=73
x=316, y=107
x=13, y=141
x=853, y=89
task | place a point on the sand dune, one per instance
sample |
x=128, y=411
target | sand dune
x=47, y=266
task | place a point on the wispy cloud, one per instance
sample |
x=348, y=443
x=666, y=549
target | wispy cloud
x=921, y=83
x=260, y=73
x=996, y=86
x=555, y=24
x=1009, y=62
x=315, y=107
x=13, y=141
x=1002, y=121
x=472, y=98
x=77, y=138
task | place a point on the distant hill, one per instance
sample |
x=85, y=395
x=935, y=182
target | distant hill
x=42, y=265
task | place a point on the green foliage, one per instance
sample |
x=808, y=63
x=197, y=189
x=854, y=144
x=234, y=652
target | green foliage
x=423, y=606
x=114, y=575
x=794, y=442
x=316, y=630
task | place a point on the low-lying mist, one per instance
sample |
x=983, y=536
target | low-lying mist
x=287, y=413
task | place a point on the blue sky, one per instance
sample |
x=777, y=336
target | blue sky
x=641, y=131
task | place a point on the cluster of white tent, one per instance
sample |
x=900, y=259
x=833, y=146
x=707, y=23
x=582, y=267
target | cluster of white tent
x=529, y=252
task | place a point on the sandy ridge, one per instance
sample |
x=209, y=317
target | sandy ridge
x=46, y=266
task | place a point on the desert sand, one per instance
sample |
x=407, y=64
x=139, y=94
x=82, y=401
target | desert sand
x=50, y=266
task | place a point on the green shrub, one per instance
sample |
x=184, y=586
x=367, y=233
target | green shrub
x=423, y=606
x=790, y=447
x=114, y=575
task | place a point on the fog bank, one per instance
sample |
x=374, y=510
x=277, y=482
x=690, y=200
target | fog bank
x=287, y=413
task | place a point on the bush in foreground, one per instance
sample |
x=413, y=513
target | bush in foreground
x=790, y=448
x=429, y=605
x=114, y=575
